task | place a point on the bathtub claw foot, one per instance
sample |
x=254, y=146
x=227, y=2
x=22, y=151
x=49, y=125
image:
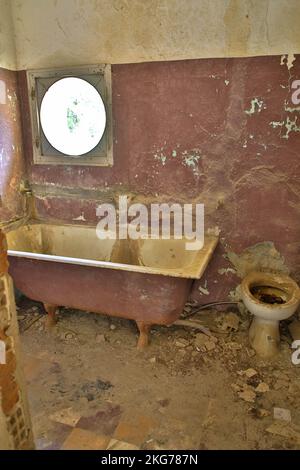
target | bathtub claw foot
x=51, y=317
x=144, y=330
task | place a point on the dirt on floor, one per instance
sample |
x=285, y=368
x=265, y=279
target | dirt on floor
x=187, y=390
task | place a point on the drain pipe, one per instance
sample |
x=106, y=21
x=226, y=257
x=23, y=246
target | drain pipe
x=198, y=308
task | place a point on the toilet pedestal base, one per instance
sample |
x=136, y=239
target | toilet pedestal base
x=264, y=337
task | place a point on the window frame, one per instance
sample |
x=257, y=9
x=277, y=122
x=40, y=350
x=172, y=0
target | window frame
x=102, y=154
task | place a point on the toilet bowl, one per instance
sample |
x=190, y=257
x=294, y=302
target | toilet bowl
x=270, y=298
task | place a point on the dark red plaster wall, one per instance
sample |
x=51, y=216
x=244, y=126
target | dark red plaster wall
x=247, y=173
x=11, y=148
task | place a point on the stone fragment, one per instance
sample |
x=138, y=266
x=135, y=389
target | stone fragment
x=263, y=413
x=205, y=343
x=263, y=387
x=66, y=416
x=100, y=338
x=182, y=343
x=233, y=346
x=279, y=384
x=250, y=373
x=230, y=322
x=247, y=395
x=260, y=412
x=285, y=429
x=282, y=414
x=250, y=352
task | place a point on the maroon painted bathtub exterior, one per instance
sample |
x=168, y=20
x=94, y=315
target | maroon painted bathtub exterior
x=146, y=298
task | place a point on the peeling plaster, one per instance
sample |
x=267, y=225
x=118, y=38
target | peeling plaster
x=288, y=60
x=161, y=157
x=191, y=159
x=203, y=290
x=260, y=257
x=288, y=109
x=214, y=231
x=188, y=158
x=80, y=218
x=276, y=124
x=288, y=124
x=236, y=294
x=168, y=169
x=256, y=106
x=291, y=126
x=223, y=271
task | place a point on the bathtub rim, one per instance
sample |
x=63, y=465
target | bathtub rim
x=198, y=267
x=171, y=272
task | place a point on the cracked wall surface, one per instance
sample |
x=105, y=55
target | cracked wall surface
x=73, y=32
x=183, y=132
x=221, y=131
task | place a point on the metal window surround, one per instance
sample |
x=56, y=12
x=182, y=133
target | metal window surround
x=39, y=82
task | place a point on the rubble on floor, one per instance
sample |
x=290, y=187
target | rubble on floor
x=90, y=387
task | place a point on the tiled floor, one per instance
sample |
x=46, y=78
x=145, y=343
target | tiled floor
x=107, y=429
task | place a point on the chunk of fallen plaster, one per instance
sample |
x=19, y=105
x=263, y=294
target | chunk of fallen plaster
x=100, y=338
x=250, y=352
x=285, y=429
x=282, y=414
x=66, y=416
x=182, y=343
x=279, y=384
x=250, y=373
x=233, y=346
x=205, y=343
x=262, y=413
x=203, y=290
x=228, y=322
x=247, y=395
x=263, y=387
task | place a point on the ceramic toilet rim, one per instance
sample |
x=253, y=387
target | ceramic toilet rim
x=279, y=281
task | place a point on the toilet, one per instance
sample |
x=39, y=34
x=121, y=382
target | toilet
x=270, y=298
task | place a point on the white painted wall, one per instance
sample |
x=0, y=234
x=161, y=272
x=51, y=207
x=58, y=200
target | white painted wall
x=7, y=40
x=70, y=32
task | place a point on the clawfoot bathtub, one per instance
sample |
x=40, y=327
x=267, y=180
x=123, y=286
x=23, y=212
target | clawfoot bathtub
x=147, y=281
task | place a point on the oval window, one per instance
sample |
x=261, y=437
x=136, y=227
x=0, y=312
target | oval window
x=73, y=116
